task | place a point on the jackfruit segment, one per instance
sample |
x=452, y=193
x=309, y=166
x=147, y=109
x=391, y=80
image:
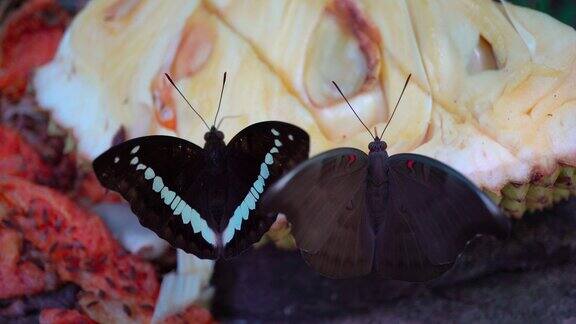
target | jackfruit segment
x=357, y=57
x=100, y=78
x=330, y=41
x=482, y=58
x=492, y=92
x=323, y=43
x=251, y=84
x=461, y=145
x=473, y=61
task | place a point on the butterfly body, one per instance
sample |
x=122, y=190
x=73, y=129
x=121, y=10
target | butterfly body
x=215, y=149
x=203, y=200
x=376, y=187
x=213, y=181
x=404, y=217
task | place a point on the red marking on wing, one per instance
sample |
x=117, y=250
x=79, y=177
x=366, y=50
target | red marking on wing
x=351, y=159
x=410, y=164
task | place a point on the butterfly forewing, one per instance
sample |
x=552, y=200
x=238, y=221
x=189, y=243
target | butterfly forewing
x=158, y=176
x=438, y=208
x=256, y=157
x=314, y=194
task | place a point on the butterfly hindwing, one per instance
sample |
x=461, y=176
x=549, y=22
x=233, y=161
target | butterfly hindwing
x=157, y=175
x=349, y=249
x=399, y=254
x=256, y=157
x=316, y=193
x=432, y=212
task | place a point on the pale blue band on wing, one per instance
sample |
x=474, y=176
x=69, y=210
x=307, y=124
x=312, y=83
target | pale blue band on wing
x=178, y=206
x=249, y=203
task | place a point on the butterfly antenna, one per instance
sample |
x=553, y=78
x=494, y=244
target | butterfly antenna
x=397, y=103
x=220, y=101
x=184, y=97
x=349, y=105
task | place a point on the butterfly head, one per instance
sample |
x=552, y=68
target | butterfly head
x=214, y=135
x=377, y=145
x=215, y=147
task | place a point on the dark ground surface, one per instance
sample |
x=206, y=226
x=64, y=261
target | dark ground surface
x=529, y=278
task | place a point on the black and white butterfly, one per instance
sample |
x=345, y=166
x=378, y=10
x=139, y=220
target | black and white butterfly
x=405, y=216
x=204, y=201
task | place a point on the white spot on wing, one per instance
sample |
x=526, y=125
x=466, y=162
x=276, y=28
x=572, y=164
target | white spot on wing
x=228, y=234
x=245, y=210
x=135, y=149
x=290, y=137
x=116, y=159
x=168, y=195
x=187, y=215
x=198, y=224
x=134, y=161
x=179, y=208
x=274, y=150
x=268, y=159
x=140, y=167
x=275, y=132
x=254, y=192
x=250, y=202
x=259, y=184
x=175, y=202
x=158, y=184
x=149, y=174
x=208, y=235
x=237, y=225
x=277, y=143
x=264, y=171
x=190, y=215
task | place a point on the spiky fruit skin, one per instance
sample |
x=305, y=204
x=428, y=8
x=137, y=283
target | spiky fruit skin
x=565, y=184
x=541, y=193
x=513, y=197
x=516, y=199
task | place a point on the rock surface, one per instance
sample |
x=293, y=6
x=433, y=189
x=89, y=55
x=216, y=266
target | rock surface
x=529, y=277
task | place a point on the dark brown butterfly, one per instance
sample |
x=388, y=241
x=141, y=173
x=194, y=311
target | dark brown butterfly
x=405, y=216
